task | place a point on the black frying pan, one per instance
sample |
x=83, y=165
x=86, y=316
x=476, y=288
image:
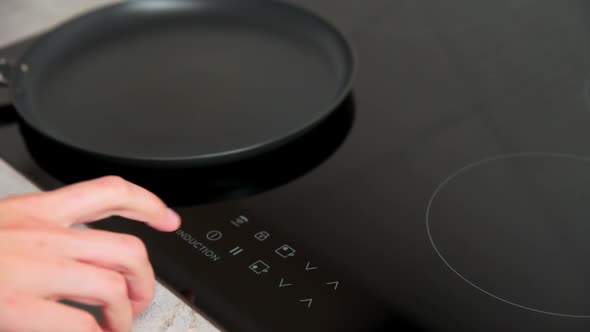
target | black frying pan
x=181, y=83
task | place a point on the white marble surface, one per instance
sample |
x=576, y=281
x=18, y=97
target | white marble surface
x=20, y=19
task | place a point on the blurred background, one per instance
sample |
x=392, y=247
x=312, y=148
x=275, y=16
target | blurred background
x=20, y=19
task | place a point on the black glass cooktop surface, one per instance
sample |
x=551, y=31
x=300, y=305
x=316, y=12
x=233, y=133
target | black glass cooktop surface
x=454, y=195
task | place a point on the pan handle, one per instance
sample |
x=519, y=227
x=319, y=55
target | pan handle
x=4, y=72
x=7, y=114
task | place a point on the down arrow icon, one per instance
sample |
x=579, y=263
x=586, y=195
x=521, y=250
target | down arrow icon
x=281, y=284
x=309, y=267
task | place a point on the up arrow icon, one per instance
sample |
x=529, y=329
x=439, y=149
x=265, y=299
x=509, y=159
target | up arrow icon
x=333, y=283
x=308, y=302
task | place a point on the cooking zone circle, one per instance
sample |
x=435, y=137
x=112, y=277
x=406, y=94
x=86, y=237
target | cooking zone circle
x=517, y=227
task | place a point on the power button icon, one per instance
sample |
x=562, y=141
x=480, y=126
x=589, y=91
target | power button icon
x=214, y=235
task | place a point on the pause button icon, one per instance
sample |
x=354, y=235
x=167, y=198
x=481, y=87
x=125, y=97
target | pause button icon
x=236, y=251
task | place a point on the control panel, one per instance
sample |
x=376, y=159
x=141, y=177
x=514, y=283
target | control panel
x=251, y=248
x=246, y=274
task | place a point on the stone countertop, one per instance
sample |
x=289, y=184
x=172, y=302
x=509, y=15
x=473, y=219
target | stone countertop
x=19, y=20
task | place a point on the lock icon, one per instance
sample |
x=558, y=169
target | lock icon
x=262, y=235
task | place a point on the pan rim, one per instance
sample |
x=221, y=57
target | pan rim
x=342, y=91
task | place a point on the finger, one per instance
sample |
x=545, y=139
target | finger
x=121, y=253
x=97, y=199
x=63, y=279
x=26, y=313
x=125, y=254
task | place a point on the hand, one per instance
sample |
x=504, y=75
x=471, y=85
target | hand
x=43, y=259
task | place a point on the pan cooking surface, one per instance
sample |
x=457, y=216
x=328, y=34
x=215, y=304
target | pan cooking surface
x=187, y=81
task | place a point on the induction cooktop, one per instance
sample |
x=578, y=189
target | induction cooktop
x=450, y=192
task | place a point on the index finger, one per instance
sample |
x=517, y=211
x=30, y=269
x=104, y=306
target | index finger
x=97, y=199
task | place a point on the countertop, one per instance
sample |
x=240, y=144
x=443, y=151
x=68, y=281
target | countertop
x=21, y=19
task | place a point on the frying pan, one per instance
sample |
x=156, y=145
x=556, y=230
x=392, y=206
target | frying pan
x=177, y=84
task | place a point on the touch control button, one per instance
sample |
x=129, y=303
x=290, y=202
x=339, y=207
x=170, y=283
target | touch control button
x=283, y=283
x=239, y=221
x=262, y=235
x=214, y=235
x=259, y=267
x=236, y=250
x=333, y=283
x=308, y=267
x=285, y=251
x=308, y=301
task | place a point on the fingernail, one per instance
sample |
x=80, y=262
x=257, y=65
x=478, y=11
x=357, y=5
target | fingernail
x=174, y=218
